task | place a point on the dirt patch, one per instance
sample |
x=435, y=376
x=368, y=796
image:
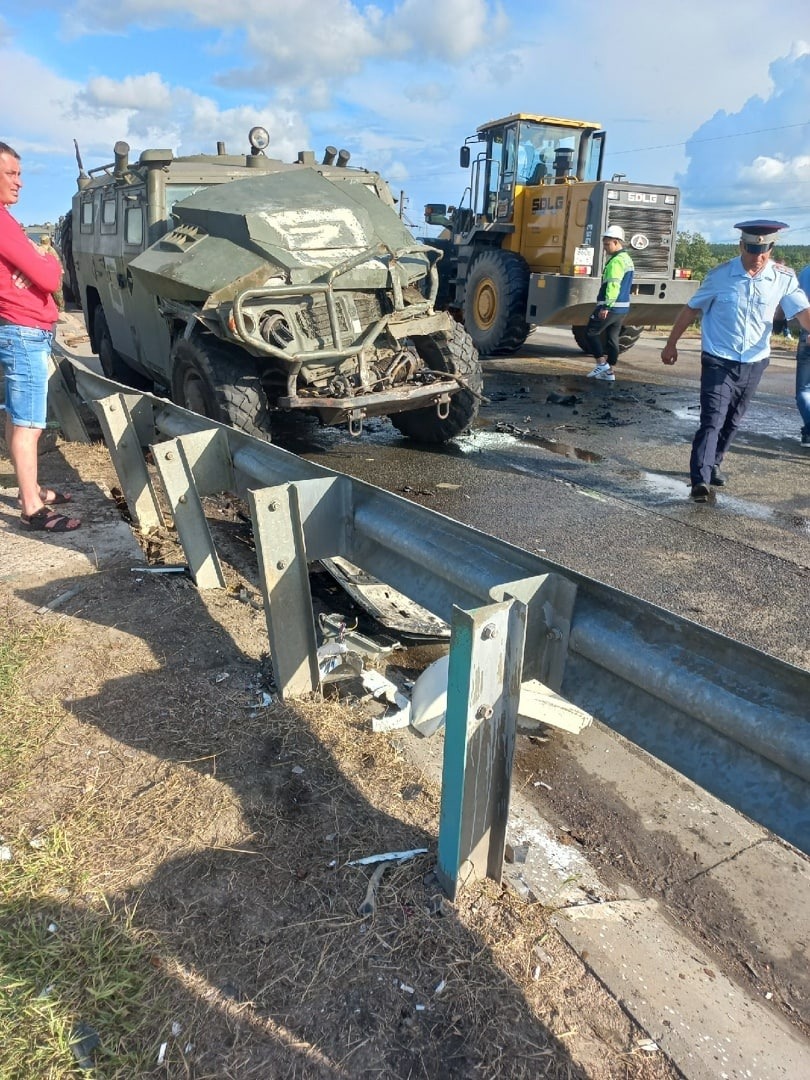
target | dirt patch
x=223, y=822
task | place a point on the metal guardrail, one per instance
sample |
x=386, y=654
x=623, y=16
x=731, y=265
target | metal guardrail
x=729, y=717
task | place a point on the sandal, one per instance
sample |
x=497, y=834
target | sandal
x=59, y=497
x=47, y=520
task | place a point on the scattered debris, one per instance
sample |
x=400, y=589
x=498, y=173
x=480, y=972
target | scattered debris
x=335, y=662
x=334, y=628
x=369, y=904
x=439, y=987
x=162, y=1053
x=53, y=927
x=406, y=989
x=223, y=675
x=563, y=399
x=516, y=853
x=390, y=608
x=388, y=856
x=429, y=698
x=649, y=1046
x=61, y=599
x=159, y=569
x=6, y=854
x=297, y=770
x=83, y=1041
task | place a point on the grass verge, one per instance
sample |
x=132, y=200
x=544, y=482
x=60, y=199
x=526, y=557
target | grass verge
x=78, y=984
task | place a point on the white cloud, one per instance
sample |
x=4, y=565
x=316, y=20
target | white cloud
x=758, y=158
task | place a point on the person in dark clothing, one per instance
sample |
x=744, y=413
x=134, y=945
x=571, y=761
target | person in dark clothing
x=612, y=305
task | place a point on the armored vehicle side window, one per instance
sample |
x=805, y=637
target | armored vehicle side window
x=108, y=214
x=87, y=215
x=175, y=193
x=133, y=226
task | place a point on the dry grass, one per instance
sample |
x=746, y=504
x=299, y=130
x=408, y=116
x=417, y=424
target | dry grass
x=194, y=856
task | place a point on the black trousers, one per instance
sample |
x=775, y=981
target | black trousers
x=612, y=326
x=726, y=388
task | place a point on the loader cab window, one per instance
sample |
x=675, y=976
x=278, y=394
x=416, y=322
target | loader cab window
x=502, y=166
x=550, y=153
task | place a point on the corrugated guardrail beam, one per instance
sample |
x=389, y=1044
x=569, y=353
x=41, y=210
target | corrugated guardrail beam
x=730, y=717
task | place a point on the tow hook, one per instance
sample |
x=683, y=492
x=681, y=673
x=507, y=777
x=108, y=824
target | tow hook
x=443, y=407
x=355, y=422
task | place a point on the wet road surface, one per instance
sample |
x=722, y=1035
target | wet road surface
x=600, y=485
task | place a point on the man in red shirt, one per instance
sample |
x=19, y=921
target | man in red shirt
x=28, y=314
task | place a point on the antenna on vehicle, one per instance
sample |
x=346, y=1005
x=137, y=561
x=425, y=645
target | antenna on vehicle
x=83, y=179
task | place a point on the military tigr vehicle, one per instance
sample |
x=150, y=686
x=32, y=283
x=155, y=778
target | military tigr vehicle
x=246, y=285
x=523, y=247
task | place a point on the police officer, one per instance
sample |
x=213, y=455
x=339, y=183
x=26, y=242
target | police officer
x=612, y=305
x=803, y=367
x=737, y=301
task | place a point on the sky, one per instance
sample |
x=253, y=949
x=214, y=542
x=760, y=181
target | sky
x=711, y=96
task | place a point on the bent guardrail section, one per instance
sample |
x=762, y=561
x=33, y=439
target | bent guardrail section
x=731, y=718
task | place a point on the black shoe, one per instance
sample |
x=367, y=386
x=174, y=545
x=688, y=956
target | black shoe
x=700, y=492
x=718, y=479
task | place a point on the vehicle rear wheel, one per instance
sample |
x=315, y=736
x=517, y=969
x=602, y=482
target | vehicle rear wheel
x=112, y=363
x=628, y=336
x=495, y=302
x=220, y=382
x=449, y=351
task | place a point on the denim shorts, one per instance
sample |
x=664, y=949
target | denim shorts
x=24, y=353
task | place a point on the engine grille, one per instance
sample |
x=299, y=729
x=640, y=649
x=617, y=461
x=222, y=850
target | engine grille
x=313, y=316
x=657, y=224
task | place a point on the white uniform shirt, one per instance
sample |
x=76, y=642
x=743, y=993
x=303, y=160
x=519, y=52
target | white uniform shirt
x=738, y=309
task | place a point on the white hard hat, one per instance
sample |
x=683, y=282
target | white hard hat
x=613, y=232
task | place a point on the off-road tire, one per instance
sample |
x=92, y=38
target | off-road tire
x=112, y=363
x=495, y=298
x=449, y=351
x=70, y=282
x=221, y=382
x=628, y=336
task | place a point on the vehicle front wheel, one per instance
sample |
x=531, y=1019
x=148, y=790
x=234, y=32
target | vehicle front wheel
x=628, y=336
x=112, y=363
x=449, y=351
x=495, y=299
x=221, y=382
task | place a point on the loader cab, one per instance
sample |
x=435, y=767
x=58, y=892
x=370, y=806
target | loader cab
x=526, y=151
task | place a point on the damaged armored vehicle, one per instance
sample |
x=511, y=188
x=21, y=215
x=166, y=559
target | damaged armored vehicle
x=243, y=286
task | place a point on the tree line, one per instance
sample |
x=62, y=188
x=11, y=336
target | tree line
x=694, y=252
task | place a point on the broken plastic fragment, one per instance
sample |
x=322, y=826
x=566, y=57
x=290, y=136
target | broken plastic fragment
x=83, y=1041
x=388, y=856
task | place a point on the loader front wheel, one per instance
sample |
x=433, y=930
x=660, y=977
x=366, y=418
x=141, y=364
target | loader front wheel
x=220, y=382
x=495, y=302
x=628, y=336
x=448, y=351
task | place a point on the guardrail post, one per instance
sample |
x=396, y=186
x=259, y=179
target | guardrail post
x=550, y=599
x=281, y=552
x=191, y=466
x=123, y=442
x=62, y=405
x=483, y=693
